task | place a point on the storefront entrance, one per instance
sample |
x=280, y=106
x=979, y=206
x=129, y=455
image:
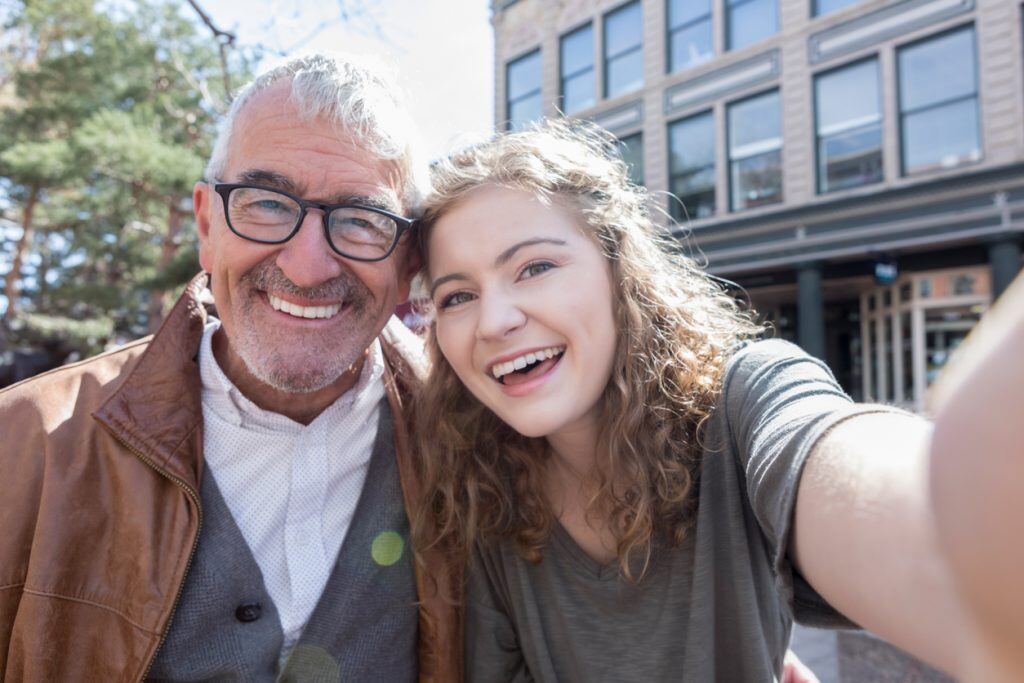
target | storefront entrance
x=909, y=330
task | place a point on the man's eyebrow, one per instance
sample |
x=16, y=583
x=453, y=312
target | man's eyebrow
x=259, y=176
x=503, y=258
x=506, y=256
x=377, y=201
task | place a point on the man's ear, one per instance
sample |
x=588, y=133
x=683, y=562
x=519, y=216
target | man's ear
x=202, y=201
x=409, y=265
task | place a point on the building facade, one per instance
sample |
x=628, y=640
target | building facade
x=855, y=166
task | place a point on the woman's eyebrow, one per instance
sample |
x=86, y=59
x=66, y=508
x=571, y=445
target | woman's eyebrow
x=506, y=256
x=445, y=278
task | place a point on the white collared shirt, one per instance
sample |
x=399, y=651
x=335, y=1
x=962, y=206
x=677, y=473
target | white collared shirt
x=292, y=489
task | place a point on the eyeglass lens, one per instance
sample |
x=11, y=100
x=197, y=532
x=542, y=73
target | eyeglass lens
x=268, y=216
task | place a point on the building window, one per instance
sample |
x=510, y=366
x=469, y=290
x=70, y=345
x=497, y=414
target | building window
x=749, y=21
x=849, y=113
x=939, y=102
x=755, y=152
x=691, y=167
x=631, y=149
x=522, y=84
x=826, y=6
x=577, y=65
x=623, y=50
x=689, y=33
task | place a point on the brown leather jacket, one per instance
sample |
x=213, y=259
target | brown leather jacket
x=100, y=513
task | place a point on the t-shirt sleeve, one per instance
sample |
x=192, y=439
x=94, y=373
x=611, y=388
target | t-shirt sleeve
x=779, y=401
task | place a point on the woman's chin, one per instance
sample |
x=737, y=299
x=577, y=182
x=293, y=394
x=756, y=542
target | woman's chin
x=528, y=426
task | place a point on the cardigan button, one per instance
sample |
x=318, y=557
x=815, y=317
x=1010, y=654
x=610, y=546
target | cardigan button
x=248, y=612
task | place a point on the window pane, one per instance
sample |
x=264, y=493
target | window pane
x=937, y=71
x=751, y=21
x=757, y=181
x=622, y=29
x=941, y=137
x=692, y=166
x=851, y=158
x=684, y=11
x=847, y=98
x=691, y=144
x=577, y=51
x=524, y=75
x=690, y=46
x=754, y=125
x=578, y=92
x=631, y=149
x=523, y=112
x=826, y=6
x=696, y=195
x=624, y=73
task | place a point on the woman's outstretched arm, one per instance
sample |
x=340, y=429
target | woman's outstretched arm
x=977, y=478
x=915, y=532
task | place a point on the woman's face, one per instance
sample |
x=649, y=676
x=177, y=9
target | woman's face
x=524, y=309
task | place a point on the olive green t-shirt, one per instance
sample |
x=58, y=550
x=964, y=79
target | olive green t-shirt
x=717, y=608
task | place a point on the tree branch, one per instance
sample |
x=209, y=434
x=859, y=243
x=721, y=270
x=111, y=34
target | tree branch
x=224, y=40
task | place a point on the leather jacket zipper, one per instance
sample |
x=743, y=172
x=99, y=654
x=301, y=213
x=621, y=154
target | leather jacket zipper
x=191, y=493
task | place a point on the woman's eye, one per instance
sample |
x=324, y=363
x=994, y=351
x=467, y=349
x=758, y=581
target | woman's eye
x=454, y=299
x=536, y=268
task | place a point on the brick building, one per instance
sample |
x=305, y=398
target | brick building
x=857, y=166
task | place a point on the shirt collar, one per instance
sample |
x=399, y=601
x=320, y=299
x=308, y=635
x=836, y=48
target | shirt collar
x=222, y=397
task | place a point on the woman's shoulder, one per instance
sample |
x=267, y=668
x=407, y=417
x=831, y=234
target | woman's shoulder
x=769, y=363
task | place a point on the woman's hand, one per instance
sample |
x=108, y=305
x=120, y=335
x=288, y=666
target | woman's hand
x=795, y=671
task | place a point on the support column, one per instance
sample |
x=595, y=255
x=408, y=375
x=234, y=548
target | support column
x=810, y=314
x=1004, y=259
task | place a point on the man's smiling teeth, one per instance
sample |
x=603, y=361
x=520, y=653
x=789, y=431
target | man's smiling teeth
x=303, y=311
x=499, y=370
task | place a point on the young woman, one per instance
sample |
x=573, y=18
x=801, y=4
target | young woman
x=618, y=462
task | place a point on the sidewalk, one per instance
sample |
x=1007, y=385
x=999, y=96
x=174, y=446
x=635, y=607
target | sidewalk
x=858, y=657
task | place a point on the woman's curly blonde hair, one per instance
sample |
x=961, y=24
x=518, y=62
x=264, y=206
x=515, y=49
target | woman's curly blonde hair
x=677, y=330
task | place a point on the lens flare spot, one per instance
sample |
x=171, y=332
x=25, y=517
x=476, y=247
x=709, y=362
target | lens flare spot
x=387, y=548
x=311, y=663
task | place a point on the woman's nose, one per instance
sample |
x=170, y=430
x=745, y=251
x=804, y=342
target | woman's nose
x=500, y=315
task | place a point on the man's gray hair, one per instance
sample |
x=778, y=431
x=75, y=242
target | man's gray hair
x=359, y=96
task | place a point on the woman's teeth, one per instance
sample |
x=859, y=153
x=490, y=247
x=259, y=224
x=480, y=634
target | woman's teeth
x=303, y=311
x=499, y=370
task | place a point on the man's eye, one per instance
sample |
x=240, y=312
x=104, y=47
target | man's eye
x=268, y=205
x=536, y=268
x=454, y=299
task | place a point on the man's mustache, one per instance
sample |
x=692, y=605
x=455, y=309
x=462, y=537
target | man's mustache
x=268, y=276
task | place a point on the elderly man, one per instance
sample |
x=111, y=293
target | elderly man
x=224, y=500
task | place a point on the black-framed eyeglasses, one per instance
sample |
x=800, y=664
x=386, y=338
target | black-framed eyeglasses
x=271, y=216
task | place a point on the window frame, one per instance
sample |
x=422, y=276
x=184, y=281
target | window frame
x=777, y=89
x=730, y=5
x=606, y=58
x=620, y=141
x=671, y=30
x=537, y=91
x=677, y=201
x=902, y=115
x=563, y=77
x=873, y=57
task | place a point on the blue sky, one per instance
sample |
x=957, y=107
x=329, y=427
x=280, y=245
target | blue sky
x=442, y=49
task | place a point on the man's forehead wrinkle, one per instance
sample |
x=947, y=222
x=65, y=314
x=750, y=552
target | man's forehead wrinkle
x=321, y=162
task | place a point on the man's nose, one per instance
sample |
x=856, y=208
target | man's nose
x=307, y=259
x=500, y=316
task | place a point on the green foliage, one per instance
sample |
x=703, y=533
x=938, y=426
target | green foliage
x=107, y=114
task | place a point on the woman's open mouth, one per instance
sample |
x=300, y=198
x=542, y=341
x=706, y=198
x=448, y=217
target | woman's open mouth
x=523, y=368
